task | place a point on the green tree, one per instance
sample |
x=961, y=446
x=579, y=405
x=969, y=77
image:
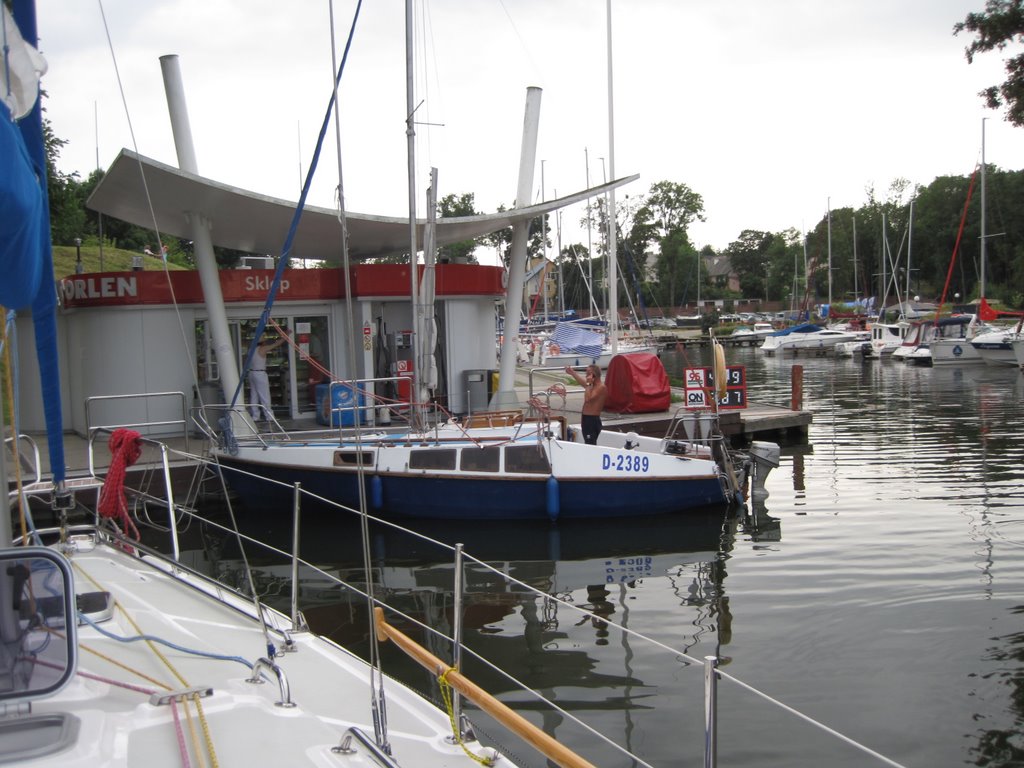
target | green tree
x=67, y=199
x=501, y=240
x=451, y=206
x=999, y=25
x=663, y=219
x=749, y=256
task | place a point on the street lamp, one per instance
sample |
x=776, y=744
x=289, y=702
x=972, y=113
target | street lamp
x=79, y=269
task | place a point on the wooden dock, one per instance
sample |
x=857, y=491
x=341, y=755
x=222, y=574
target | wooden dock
x=741, y=426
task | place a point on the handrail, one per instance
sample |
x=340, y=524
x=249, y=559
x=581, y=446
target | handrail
x=512, y=720
x=459, y=682
x=145, y=396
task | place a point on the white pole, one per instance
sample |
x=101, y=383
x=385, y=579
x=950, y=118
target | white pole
x=505, y=397
x=982, y=294
x=590, y=245
x=410, y=134
x=613, y=294
x=206, y=263
x=830, y=253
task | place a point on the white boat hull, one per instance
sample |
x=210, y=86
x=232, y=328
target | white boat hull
x=120, y=697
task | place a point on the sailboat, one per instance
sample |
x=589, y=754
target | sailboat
x=112, y=654
x=498, y=465
x=954, y=345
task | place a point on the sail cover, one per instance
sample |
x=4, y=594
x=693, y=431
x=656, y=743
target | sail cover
x=637, y=383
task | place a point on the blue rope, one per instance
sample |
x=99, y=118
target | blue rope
x=296, y=217
x=162, y=641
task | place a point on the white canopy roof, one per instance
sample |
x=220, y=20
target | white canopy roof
x=247, y=221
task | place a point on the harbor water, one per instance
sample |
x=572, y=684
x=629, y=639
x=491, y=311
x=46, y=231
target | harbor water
x=878, y=590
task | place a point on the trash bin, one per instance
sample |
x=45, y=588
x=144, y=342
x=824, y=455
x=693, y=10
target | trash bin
x=343, y=408
x=475, y=385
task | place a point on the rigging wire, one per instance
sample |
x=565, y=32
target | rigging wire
x=378, y=703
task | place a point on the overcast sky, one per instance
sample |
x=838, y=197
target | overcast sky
x=769, y=109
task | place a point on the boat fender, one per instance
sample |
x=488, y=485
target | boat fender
x=376, y=492
x=554, y=506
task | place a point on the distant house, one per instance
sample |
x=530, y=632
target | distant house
x=720, y=272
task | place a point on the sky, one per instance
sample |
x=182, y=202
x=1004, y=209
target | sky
x=773, y=111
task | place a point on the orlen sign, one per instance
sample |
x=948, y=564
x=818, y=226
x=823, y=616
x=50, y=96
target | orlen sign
x=132, y=288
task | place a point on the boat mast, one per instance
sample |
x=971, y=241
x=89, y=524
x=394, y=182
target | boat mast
x=982, y=294
x=410, y=135
x=590, y=244
x=856, y=293
x=613, y=298
x=829, y=220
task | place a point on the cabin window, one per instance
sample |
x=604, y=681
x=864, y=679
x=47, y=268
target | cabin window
x=481, y=459
x=526, y=458
x=433, y=458
x=353, y=458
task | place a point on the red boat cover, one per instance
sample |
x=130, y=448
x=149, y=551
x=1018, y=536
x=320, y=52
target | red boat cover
x=637, y=383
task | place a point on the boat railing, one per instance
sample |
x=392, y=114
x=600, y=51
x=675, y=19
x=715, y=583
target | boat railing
x=173, y=404
x=282, y=570
x=25, y=452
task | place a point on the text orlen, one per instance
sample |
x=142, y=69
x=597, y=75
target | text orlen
x=113, y=287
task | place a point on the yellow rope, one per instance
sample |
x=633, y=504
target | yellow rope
x=446, y=696
x=183, y=682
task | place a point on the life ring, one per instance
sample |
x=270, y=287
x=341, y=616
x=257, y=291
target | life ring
x=721, y=382
x=554, y=349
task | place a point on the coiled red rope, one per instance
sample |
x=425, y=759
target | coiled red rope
x=125, y=449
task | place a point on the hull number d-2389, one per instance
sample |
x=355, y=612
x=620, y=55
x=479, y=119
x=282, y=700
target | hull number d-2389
x=624, y=463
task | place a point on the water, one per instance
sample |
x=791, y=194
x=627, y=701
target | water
x=879, y=589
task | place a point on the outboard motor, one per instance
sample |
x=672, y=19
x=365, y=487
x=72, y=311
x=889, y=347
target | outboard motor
x=765, y=457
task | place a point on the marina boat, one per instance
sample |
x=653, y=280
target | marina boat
x=804, y=338
x=1018, y=351
x=550, y=354
x=946, y=341
x=167, y=668
x=578, y=345
x=995, y=347
x=689, y=321
x=886, y=338
x=496, y=466
x=917, y=333
x=757, y=332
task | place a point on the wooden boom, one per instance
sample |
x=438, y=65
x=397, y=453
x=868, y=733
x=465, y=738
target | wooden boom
x=519, y=725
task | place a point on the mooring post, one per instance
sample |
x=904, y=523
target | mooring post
x=710, y=711
x=458, y=596
x=796, y=397
x=296, y=507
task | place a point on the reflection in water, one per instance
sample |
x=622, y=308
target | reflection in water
x=890, y=607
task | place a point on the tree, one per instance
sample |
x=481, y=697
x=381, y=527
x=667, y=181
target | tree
x=501, y=240
x=1001, y=24
x=663, y=219
x=67, y=201
x=749, y=256
x=451, y=206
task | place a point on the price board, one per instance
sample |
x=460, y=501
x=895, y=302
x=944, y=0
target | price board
x=699, y=387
